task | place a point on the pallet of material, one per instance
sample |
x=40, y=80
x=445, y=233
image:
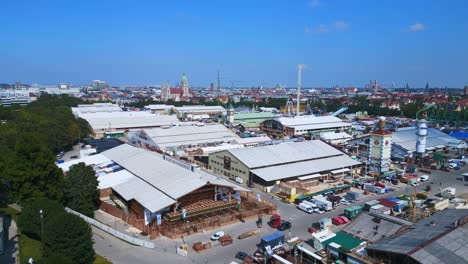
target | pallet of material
x=225, y=240
x=249, y=234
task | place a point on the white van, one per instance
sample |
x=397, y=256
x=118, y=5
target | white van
x=306, y=208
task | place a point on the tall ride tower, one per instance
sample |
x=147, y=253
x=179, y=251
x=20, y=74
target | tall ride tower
x=299, y=83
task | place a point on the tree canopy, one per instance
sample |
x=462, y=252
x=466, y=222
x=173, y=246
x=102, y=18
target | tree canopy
x=30, y=136
x=30, y=217
x=81, y=191
x=68, y=235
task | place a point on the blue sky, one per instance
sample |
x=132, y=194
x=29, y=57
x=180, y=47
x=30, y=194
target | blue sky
x=252, y=42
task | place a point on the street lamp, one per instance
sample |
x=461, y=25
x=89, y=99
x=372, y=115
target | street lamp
x=42, y=223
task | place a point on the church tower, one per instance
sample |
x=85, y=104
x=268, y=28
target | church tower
x=185, y=87
x=165, y=92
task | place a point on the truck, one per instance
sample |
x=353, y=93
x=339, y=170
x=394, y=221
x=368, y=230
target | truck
x=323, y=203
x=372, y=188
x=448, y=192
x=465, y=178
x=272, y=240
x=275, y=221
x=352, y=196
x=306, y=207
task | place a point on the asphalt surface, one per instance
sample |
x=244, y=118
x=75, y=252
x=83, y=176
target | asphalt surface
x=10, y=255
x=121, y=252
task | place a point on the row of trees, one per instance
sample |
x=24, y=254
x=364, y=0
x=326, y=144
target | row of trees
x=30, y=137
x=65, y=237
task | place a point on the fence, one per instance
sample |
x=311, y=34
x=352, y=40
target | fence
x=129, y=239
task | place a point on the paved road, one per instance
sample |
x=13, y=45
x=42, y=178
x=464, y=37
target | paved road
x=11, y=248
x=121, y=252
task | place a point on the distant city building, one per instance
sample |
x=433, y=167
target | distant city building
x=466, y=90
x=182, y=93
x=11, y=97
x=99, y=85
x=374, y=86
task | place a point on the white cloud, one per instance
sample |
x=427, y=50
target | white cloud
x=340, y=25
x=326, y=28
x=314, y=3
x=416, y=27
x=322, y=29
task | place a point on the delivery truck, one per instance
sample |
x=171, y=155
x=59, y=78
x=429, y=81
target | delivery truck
x=322, y=202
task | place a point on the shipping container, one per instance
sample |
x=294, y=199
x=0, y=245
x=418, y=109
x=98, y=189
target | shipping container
x=369, y=204
x=353, y=211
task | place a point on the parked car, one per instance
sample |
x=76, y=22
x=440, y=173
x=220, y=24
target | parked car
x=241, y=255
x=74, y=157
x=424, y=178
x=217, y=235
x=320, y=211
x=284, y=225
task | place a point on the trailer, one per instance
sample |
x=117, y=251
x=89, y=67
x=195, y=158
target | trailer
x=272, y=240
x=323, y=203
x=352, y=196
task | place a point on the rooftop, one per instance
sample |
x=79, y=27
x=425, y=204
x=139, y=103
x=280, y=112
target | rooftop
x=127, y=120
x=344, y=240
x=149, y=179
x=190, y=135
x=284, y=153
x=312, y=122
x=440, y=242
x=407, y=138
x=364, y=227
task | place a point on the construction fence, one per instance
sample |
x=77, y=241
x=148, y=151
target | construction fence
x=125, y=237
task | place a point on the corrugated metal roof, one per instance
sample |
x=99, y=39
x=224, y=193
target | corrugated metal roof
x=305, y=168
x=284, y=153
x=169, y=178
x=254, y=115
x=407, y=138
x=190, y=135
x=89, y=160
x=148, y=196
x=107, y=180
x=309, y=120
x=199, y=109
x=103, y=120
x=422, y=234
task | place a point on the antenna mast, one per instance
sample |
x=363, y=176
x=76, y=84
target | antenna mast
x=299, y=75
x=219, y=86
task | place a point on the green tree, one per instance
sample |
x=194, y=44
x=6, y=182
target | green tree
x=68, y=235
x=30, y=218
x=55, y=259
x=81, y=191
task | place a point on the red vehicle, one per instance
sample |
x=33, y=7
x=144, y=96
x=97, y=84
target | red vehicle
x=345, y=219
x=378, y=184
x=275, y=221
x=337, y=220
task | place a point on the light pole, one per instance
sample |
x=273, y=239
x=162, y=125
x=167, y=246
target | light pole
x=42, y=223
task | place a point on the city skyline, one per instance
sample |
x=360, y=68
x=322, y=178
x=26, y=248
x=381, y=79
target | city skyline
x=345, y=43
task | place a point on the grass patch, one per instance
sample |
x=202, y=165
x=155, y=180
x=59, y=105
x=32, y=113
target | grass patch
x=29, y=248
x=101, y=260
